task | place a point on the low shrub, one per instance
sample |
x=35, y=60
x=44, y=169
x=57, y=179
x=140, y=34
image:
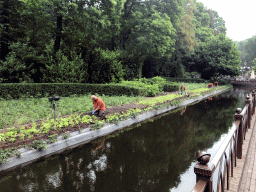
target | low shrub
x=186, y=80
x=150, y=89
x=4, y=155
x=170, y=87
x=39, y=90
x=223, y=82
x=53, y=138
x=39, y=144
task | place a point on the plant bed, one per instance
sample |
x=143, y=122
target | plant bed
x=94, y=124
x=39, y=145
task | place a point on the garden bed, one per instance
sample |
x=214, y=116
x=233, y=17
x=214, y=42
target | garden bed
x=118, y=110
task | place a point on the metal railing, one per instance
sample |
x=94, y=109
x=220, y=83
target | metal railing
x=211, y=176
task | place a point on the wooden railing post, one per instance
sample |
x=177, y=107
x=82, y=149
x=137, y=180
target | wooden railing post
x=204, y=172
x=248, y=102
x=239, y=116
x=253, y=101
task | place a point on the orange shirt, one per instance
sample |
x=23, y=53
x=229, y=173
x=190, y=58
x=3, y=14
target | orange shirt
x=183, y=87
x=99, y=103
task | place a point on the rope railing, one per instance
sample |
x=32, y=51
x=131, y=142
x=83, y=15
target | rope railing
x=214, y=175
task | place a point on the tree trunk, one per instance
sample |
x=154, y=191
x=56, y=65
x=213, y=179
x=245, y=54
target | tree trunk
x=4, y=38
x=58, y=33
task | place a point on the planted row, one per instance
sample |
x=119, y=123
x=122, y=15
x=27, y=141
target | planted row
x=44, y=127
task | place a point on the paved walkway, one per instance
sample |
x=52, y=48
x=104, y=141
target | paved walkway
x=248, y=178
x=244, y=178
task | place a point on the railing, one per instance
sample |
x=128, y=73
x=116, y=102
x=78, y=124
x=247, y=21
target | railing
x=210, y=176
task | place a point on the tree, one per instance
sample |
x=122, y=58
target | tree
x=10, y=24
x=186, y=29
x=217, y=23
x=202, y=21
x=152, y=35
x=218, y=56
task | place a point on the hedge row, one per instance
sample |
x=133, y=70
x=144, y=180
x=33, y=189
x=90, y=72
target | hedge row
x=38, y=90
x=223, y=82
x=186, y=80
x=170, y=87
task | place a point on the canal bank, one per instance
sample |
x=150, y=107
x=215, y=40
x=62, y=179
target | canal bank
x=87, y=135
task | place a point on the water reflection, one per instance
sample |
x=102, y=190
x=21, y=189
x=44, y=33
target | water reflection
x=158, y=156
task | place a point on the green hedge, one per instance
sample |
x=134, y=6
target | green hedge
x=38, y=90
x=186, y=80
x=170, y=87
x=223, y=82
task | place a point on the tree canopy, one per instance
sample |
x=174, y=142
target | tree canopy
x=247, y=49
x=218, y=56
x=103, y=41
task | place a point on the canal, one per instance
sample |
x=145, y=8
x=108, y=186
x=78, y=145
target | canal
x=158, y=155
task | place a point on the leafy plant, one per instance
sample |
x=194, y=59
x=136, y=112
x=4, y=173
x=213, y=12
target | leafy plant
x=22, y=136
x=2, y=138
x=39, y=144
x=86, y=119
x=53, y=138
x=97, y=125
x=66, y=135
x=16, y=153
x=4, y=155
x=12, y=140
x=114, y=118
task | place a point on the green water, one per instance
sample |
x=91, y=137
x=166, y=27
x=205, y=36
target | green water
x=158, y=155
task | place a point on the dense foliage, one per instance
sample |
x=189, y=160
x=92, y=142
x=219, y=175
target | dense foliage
x=63, y=41
x=248, y=53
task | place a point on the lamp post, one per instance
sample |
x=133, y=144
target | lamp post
x=52, y=100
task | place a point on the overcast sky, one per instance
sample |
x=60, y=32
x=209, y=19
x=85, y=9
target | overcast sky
x=239, y=15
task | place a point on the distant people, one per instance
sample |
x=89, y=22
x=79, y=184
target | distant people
x=210, y=85
x=183, y=89
x=98, y=106
x=216, y=83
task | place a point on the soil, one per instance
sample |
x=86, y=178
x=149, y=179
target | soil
x=109, y=110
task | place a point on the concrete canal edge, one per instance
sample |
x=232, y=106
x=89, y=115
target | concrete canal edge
x=86, y=135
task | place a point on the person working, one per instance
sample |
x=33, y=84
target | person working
x=183, y=89
x=99, y=106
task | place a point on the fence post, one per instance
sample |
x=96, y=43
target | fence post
x=204, y=170
x=248, y=101
x=253, y=102
x=239, y=116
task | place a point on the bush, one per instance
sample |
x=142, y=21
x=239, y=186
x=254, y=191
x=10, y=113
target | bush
x=151, y=90
x=185, y=80
x=108, y=67
x=39, y=144
x=18, y=90
x=170, y=87
x=59, y=68
x=158, y=80
x=223, y=82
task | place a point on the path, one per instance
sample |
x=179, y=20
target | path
x=248, y=178
x=244, y=178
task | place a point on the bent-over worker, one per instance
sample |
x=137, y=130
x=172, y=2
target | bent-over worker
x=183, y=89
x=98, y=106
